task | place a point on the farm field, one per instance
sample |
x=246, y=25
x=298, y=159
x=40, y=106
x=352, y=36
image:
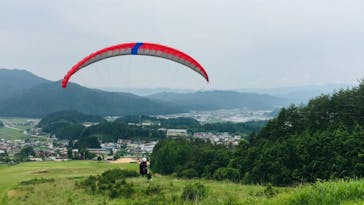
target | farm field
x=18, y=123
x=16, y=128
x=12, y=134
x=64, y=176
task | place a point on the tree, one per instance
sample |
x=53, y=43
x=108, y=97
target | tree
x=189, y=158
x=87, y=142
x=322, y=140
x=4, y=157
x=24, y=153
x=69, y=149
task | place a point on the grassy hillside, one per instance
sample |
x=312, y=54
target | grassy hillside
x=60, y=187
x=12, y=175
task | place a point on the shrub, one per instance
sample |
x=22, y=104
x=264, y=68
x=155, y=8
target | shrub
x=187, y=173
x=114, y=174
x=231, y=174
x=111, y=183
x=121, y=189
x=269, y=191
x=194, y=192
x=88, y=181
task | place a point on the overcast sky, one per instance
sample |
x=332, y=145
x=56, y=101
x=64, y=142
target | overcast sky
x=241, y=43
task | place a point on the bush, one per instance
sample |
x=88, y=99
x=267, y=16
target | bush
x=89, y=183
x=231, y=174
x=121, y=189
x=114, y=174
x=194, y=192
x=269, y=191
x=111, y=183
x=187, y=173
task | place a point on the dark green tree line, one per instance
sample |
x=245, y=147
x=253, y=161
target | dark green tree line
x=322, y=140
x=189, y=158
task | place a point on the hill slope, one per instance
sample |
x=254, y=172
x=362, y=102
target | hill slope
x=322, y=140
x=26, y=95
x=50, y=97
x=165, y=189
x=16, y=81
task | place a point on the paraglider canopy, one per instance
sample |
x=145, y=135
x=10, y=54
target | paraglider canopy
x=148, y=49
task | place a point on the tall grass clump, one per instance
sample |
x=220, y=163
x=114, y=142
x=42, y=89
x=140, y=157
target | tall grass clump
x=111, y=183
x=194, y=192
x=329, y=193
x=119, y=173
x=36, y=181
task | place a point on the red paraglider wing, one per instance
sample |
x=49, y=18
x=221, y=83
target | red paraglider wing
x=149, y=49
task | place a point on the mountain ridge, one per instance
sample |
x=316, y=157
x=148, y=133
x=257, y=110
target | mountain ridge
x=217, y=99
x=16, y=81
x=49, y=97
x=37, y=97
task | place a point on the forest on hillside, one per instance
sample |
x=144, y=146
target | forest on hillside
x=321, y=140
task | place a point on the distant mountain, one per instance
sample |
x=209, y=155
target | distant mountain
x=46, y=98
x=27, y=95
x=296, y=94
x=212, y=100
x=13, y=81
x=300, y=94
x=146, y=91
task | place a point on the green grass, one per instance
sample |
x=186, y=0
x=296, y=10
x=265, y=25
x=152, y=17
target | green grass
x=12, y=175
x=11, y=134
x=55, y=183
x=17, y=122
x=66, y=173
x=330, y=193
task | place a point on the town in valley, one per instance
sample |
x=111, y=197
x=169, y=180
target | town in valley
x=47, y=147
